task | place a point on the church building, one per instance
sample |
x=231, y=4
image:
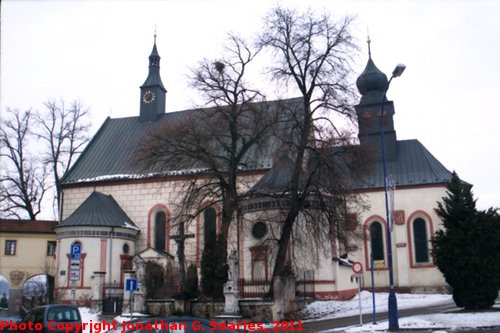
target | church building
x=118, y=213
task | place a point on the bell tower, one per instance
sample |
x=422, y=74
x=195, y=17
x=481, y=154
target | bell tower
x=372, y=84
x=152, y=99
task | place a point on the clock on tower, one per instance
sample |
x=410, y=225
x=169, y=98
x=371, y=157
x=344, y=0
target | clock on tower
x=152, y=91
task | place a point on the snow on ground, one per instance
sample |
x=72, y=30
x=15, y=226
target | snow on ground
x=336, y=309
x=87, y=317
x=444, y=322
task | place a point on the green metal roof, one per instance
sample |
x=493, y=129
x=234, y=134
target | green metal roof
x=111, y=154
x=99, y=210
x=414, y=165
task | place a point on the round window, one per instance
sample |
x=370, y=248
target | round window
x=126, y=248
x=259, y=230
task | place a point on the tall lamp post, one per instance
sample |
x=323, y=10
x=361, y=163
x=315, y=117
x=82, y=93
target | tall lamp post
x=393, y=304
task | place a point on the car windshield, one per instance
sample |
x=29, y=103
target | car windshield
x=63, y=314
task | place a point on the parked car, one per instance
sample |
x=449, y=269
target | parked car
x=54, y=318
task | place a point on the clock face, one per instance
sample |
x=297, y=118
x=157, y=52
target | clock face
x=148, y=97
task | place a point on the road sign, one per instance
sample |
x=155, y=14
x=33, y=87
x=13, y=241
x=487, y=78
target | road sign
x=130, y=284
x=76, y=251
x=357, y=267
x=74, y=275
x=75, y=264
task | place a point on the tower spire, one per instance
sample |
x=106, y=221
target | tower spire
x=152, y=90
x=368, y=41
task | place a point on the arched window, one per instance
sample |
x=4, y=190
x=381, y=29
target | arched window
x=209, y=225
x=160, y=227
x=377, y=241
x=420, y=240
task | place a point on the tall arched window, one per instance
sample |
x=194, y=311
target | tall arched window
x=420, y=240
x=377, y=241
x=209, y=225
x=160, y=227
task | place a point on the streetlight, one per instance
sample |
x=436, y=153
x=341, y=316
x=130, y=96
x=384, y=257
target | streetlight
x=393, y=303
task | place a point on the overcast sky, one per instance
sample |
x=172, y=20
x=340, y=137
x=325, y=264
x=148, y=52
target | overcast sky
x=97, y=52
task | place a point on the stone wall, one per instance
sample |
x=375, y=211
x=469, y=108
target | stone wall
x=259, y=311
x=162, y=308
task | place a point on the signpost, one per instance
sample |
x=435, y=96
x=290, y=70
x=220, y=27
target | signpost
x=131, y=286
x=357, y=269
x=74, y=272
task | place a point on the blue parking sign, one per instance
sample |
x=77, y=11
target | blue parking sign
x=76, y=251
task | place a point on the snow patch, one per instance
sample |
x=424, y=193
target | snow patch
x=141, y=176
x=440, y=322
x=336, y=309
x=87, y=316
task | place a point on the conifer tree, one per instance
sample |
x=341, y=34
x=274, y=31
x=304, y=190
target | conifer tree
x=209, y=279
x=467, y=250
x=191, y=282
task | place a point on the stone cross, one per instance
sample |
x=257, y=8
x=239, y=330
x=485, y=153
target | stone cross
x=180, y=240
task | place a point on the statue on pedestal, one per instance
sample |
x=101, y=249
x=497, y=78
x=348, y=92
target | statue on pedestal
x=140, y=274
x=231, y=293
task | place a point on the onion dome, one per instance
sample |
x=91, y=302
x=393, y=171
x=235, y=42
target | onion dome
x=371, y=84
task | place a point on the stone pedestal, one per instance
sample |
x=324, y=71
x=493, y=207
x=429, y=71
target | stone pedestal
x=231, y=295
x=140, y=295
x=139, y=302
x=97, y=291
x=15, y=301
x=284, y=297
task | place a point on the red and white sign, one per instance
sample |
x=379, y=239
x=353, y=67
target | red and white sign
x=357, y=267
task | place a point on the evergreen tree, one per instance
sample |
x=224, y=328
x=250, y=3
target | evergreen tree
x=212, y=280
x=467, y=250
x=191, y=282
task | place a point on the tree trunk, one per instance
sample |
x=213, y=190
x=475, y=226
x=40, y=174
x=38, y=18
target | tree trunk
x=228, y=211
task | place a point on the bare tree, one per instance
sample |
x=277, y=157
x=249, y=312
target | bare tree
x=23, y=180
x=313, y=54
x=64, y=132
x=216, y=143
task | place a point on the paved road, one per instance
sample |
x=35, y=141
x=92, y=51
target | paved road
x=326, y=324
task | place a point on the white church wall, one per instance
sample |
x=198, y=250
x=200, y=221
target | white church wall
x=141, y=200
x=96, y=253
x=409, y=204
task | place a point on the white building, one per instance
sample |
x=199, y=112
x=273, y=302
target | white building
x=116, y=210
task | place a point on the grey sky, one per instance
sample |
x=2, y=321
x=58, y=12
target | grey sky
x=96, y=51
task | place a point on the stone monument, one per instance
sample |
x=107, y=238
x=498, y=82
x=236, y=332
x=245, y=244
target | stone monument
x=231, y=293
x=140, y=294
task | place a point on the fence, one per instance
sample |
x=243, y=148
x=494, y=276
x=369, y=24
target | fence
x=113, y=298
x=253, y=288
